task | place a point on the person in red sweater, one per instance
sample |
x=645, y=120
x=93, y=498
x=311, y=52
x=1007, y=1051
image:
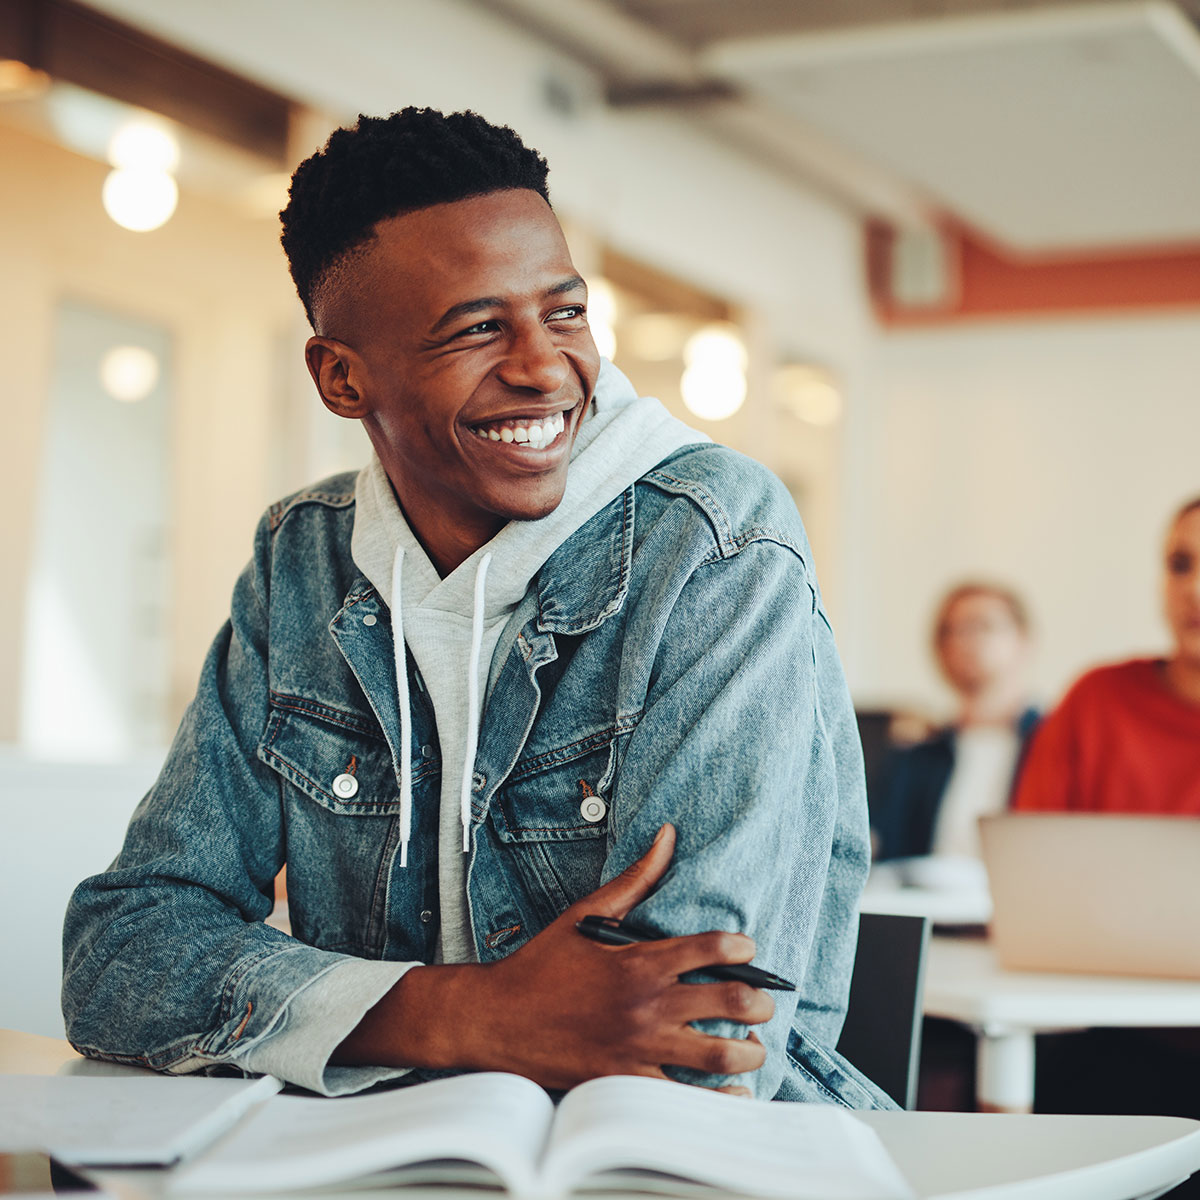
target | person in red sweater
x=1126, y=737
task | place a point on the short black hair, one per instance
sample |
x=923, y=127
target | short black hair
x=386, y=166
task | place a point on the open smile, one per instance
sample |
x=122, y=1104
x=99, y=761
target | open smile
x=529, y=432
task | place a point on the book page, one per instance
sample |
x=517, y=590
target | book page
x=495, y=1120
x=625, y=1124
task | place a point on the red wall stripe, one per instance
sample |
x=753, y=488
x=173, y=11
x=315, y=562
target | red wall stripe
x=987, y=282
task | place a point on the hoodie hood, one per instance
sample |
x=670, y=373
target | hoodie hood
x=451, y=626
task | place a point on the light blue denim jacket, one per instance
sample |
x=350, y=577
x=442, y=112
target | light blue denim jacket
x=672, y=657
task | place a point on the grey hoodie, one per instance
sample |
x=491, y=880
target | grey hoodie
x=452, y=627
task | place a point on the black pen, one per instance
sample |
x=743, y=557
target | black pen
x=613, y=932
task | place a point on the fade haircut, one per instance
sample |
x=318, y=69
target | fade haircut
x=387, y=166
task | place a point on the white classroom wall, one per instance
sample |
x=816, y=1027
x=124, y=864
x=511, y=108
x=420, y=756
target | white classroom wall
x=1048, y=454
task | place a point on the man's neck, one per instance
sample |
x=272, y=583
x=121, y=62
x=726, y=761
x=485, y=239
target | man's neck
x=447, y=543
x=452, y=547
x=999, y=704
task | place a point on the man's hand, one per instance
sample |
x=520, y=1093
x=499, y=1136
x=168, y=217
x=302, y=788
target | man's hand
x=563, y=1009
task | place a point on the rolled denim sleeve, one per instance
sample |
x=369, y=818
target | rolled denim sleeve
x=748, y=745
x=167, y=961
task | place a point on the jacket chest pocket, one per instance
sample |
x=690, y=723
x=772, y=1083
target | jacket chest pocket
x=340, y=800
x=334, y=757
x=553, y=812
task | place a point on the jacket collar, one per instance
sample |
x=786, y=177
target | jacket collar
x=585, y=581
x=582, y=584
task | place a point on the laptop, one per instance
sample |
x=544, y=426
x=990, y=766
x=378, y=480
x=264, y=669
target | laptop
x=1105, y=893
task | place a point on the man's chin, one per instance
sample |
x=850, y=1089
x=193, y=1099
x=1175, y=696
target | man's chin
x=535, y=512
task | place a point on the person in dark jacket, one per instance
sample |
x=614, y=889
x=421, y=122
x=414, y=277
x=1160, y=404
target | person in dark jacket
x=934, y=791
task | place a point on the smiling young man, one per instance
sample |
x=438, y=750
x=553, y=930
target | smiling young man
x=550, y=653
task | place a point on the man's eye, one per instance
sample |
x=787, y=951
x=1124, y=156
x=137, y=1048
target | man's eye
x=1179, y=564
x=477, y=328
x=572, y=312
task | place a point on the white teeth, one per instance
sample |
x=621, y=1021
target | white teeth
x=535, y=434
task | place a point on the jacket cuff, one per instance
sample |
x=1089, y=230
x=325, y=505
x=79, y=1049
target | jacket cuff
x=316, y=1020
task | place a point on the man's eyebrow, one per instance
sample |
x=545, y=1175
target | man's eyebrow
x=568, y=285
x=485, y=303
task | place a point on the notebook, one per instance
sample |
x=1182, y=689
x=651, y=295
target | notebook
x=1105, y=893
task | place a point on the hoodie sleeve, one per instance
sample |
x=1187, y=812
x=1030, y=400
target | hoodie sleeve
x=318, y=1018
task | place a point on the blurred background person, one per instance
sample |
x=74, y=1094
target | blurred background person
x=933, y=792
x=1126, y=737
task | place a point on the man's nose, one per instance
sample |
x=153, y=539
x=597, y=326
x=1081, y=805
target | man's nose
x=534, y=361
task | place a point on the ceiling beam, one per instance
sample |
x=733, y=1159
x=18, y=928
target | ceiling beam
x=78, y=45
x=642, y=68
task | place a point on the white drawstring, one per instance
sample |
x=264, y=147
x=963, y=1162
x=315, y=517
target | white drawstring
x=472, y=745
x=405, y=714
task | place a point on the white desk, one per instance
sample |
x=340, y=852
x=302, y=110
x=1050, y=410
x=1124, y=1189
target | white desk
x=944, y=1156
x=1006, y=1009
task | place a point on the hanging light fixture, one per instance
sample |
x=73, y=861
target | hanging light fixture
x=129, y=373
x=140, y=192
x=602, y=316
x=713, y=384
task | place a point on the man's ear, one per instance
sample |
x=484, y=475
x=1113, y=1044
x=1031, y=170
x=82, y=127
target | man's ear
x=337, y=371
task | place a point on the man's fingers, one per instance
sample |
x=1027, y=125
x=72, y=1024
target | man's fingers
x=637, y=881
x=714, y=1055
x=729, y=999
x=697, y=950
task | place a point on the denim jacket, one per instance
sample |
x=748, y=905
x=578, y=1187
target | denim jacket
x=671, y=660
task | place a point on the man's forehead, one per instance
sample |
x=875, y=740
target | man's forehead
x=418, y=264
x=501, y=242
x=473, y=227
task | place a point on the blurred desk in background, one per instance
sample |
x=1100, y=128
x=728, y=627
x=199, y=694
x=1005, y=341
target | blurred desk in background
x=950, y=890
x=1007, y=1009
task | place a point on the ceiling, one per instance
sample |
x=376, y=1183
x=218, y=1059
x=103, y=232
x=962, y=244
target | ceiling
x=1050, y=129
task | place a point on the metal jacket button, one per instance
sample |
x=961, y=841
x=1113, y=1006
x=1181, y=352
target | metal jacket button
x=345, y=786
x=369, y=619
x=593, y=809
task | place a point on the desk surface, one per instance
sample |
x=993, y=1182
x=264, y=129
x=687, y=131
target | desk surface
x=947, y=1156
x=963, y=982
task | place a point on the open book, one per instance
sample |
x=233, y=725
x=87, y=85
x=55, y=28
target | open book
x=620, y=1132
